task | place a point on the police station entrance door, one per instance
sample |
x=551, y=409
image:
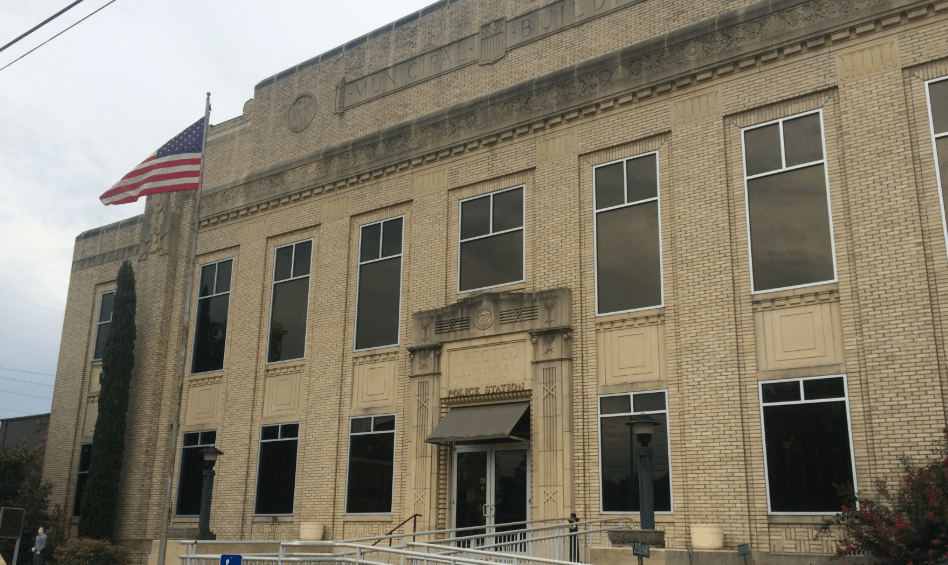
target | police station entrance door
x=491, y=489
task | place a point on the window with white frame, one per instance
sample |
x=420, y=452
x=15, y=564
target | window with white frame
x=490, y=251
x=82, y=474
x=619, y=478
x=276, y=469
x=807, y=444
x=371, y=469
x=938, y=113
x=210, y=325
x=380, y=284
x=191, y=477
x=628, y=235
x=289, y=302
x=106, y=302
x=788, y=209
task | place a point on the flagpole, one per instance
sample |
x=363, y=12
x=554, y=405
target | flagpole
x=185, y=327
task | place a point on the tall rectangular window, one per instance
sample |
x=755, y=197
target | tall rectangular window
x=276, y=469
x=938, y=112
x=82, y=473
x=380, y=284
x=807, y=444
x=788, y=210
x=491, y=240
x=628, y=235
x=210, y=326
x=371, y=464
x=289, y=302
x=618, y=468
x=191, y=478
x=105, y=322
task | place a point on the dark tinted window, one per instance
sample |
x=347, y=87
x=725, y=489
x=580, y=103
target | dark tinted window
x=808, y=453
x=762, y=150
x=803, y=141
x=615, y=404
x=818, y=389
x=492, y=261
x=490, y=254
x=938, y=96
x=276, y=472
x=289, y=302
x=628, y=255
x=104, y=323
x=641, y=178
x=620, y=482
x=788, y=209
x=780, y=392
x=628, y=260
x=82, y=473
x=371, y=465
x=210, y=329
x=379, y=294
x=610, y=190
x=191, y=479
x=791, y=242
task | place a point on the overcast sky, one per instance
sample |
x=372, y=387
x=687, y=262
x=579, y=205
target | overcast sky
x=81, y=111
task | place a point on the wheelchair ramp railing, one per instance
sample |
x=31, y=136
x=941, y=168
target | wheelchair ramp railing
x=554, y=542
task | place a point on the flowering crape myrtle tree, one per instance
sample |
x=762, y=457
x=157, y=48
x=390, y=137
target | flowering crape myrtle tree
x=907, y=527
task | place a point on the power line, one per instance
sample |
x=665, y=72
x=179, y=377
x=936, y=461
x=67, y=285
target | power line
x=49, y=19
x=28, y=372
x=57, y=35
x=31, y=395
x=28, y=382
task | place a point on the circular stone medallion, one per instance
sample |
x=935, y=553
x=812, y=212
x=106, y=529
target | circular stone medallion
x=484, y=318
x=301, y=113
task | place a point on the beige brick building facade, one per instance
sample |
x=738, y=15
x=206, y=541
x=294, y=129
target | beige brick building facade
x=758, y=310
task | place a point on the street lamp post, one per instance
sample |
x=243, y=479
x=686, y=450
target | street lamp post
x=204, y=523
x=641, y=428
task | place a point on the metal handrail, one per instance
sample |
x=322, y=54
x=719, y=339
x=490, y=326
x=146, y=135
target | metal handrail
x=414, y=527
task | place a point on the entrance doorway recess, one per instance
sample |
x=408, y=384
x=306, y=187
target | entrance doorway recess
x=491, y=488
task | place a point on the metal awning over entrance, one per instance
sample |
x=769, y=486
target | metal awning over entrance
x=479, y=423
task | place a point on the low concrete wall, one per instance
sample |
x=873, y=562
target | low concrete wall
x=623, y=556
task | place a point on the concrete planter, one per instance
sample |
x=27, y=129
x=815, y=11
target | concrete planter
x=707, y=536
x=623, y=537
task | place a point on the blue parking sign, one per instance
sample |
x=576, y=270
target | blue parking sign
x=231, y=559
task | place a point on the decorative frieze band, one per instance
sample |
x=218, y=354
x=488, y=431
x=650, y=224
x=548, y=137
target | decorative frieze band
x=798, y=300
x=375, y=357
x=642, y=72
x=632, y=321
x=108, y=257
x=208, y=380
x=288, y=369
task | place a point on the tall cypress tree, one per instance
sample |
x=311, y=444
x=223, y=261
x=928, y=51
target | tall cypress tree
x=100, y=498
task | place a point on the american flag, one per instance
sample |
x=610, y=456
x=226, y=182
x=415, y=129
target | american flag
x=176, y=166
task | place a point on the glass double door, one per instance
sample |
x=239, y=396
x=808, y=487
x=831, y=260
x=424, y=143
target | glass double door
x=491, y=488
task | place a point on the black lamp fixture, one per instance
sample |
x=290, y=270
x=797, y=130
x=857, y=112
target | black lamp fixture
x=641, y=429
x=210, y=455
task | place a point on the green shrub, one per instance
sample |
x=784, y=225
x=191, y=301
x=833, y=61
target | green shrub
x=905, y=527
x=85, y=551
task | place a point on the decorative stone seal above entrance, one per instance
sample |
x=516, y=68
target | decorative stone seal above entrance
x=493, y=313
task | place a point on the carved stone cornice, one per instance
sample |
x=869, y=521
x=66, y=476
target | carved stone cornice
x=374, y=357
x=736, y=41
